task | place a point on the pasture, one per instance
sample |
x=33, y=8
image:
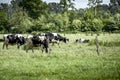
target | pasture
x=72, y=61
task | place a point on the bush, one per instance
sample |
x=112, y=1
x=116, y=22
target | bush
x=34, y=33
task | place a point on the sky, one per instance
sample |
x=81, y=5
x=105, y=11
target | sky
x=78, y=3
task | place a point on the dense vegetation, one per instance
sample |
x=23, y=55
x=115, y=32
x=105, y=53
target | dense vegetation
x=26, y=16
x=72, y=61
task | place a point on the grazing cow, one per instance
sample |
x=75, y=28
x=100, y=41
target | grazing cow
x=13, y=39
x=56, y=38
x=37, y=41
x=82, y=40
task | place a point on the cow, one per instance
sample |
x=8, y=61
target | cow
x=81, y=40
x=37, y=41
x=13, y=39
x=56, y=38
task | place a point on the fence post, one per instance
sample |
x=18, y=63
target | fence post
x=97, y=45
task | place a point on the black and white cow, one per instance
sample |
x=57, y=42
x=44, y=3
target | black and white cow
x=37, y=41
x=12, y=39
x=81, y=40
x=56, y=38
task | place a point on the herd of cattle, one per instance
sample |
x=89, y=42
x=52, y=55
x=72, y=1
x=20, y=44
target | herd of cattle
x=41, y=40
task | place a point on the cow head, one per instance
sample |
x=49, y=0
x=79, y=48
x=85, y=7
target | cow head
x=65, y=40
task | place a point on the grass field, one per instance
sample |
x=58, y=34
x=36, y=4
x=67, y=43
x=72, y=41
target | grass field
x=72, y=61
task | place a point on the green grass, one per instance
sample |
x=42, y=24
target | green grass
x=69, y=62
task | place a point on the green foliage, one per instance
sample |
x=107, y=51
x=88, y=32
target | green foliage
x=112, y=23
x=115, y=2
x=85, y=26
x=97, y=25
x=35, y=8
x=94, y=5
x=73, y=15
x=88, y=14
x=65, y=21
x=66, y=4
x=3, y=22
x=94, y=25
x=117, y=21
x=59, y=22
x=39, y=24
x=114, y=6
x=50, y=26
x=76, y=25
x=110, y=26
x=34, y=15
x=55, y=7
x=20, y=22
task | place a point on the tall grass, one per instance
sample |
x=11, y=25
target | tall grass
x=72, y=61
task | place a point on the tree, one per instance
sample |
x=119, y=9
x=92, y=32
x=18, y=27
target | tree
x=39, y=24
x=114, y=6
x=88, y=14
x=66, y=4
x=34, y=8
x=7, y=9
x=59, y=22
x=15, y=5
x=117, y=20
x=76, y=25
x=3, y=22
x=97, y=25
x=112, y=24
x=50, y=26
x=85, y=26
x=115, y=2
x=65, y=21
x=94, y=4
x=73, y=14
x=20, y=22
x=55, y=7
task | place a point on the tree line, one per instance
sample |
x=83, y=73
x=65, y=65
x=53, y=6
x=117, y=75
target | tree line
x=26, y=16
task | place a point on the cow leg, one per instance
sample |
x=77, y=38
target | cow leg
x=6, y=46
x=42, y=49
x=52, y=43
x=58, y=45
x=3, y=45
x=32, y=50
x=26, y=48
x=47, y=50
x=18, y=46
